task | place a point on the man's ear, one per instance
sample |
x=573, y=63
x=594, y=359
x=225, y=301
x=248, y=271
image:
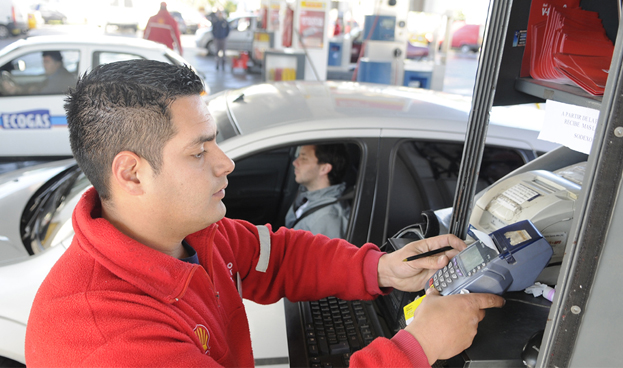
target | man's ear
x=125, y=172
x=325, y=169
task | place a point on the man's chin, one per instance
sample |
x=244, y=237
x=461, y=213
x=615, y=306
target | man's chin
x=218, y=213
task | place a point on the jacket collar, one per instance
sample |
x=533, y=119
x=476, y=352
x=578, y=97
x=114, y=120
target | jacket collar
x=331, y=192
x=157, y=274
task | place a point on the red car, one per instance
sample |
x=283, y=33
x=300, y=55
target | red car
x=467, y=38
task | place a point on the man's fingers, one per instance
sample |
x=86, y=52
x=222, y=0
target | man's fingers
x=430, y=292
x=434, y=262
x=445, y=240
x=485, y=301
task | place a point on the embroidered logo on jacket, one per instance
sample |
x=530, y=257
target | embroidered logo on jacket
x=204, y=337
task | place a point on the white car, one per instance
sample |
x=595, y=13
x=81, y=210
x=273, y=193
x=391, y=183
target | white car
x=40, y=119
x=405, y=147
x=13, y=18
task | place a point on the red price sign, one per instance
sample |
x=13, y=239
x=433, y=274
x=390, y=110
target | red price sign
x=312, y=27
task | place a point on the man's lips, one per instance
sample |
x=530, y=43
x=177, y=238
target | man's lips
x=221, y=192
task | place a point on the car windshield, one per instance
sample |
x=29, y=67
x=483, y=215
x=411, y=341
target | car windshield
x=46, y=221
x=217, y=104
x=175, y=58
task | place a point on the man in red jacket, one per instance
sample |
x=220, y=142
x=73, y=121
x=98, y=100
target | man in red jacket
x=156, y=274
x=163, y=28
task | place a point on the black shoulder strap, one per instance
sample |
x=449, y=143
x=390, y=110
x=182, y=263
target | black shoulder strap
x=348, y=194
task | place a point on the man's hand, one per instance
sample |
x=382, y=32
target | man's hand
x=446, y=325
x=413, y=275
x=8, y=86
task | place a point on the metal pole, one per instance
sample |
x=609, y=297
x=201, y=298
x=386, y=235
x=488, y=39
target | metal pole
x=482, y=101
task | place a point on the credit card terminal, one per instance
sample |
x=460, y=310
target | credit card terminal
x=508, y=259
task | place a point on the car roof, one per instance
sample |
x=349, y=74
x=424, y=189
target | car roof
x=262, y=105
x=350, y=105
x=89, y=39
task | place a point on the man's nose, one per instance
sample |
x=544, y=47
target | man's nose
x=225, y=164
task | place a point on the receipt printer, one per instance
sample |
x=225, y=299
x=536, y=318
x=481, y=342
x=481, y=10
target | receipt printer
x=508, y=259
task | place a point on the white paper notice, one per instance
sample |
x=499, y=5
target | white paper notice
x=569, y=125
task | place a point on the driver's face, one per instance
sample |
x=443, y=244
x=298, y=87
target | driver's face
x=50, y=65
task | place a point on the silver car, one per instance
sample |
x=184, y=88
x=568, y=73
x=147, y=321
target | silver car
x=405, y=148
x=241, y=33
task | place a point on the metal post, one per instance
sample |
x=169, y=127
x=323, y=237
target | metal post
x=482, y=101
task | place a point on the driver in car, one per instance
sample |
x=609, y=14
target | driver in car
x=319, y=206
x=58, y=78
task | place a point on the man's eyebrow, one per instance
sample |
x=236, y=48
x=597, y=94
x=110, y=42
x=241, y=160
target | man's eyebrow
x=202, y=139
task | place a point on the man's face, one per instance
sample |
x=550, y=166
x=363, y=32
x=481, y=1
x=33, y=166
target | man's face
x=306, y=167
x=50, y=65
x=188, y=190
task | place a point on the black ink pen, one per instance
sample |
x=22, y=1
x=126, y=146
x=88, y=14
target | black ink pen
x=427, y=254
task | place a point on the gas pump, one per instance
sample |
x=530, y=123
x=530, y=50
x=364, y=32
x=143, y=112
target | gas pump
x=384, y=44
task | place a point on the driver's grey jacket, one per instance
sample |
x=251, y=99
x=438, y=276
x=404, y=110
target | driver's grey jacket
x=59, y=82
x=331, y=220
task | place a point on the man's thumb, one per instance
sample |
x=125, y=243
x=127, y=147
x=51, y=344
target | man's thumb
x=431, y=291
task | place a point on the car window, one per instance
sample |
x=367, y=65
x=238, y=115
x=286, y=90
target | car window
x=262, y=186
x=26, y=74
x=105, y=57
x=424, y=177
x=243, y=24
x=233, y=24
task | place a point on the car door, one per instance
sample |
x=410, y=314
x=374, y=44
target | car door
x=241, y=34
x=27, y=114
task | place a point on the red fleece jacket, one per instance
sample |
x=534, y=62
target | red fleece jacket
x=163, y=28
x=111, y=301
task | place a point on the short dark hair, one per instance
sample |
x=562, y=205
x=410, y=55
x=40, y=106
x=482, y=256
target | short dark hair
x=124, y=106
x=337, y=156
x=55, y=55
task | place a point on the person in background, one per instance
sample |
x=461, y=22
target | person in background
x=163, y=28
x=320, y=169
x=337, y=30
x=156, y=274
x=58, y=78
x=220, y=31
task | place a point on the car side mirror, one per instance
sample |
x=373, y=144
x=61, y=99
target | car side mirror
x=19, y=65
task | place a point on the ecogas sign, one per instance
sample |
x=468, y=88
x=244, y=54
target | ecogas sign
x=35, y=119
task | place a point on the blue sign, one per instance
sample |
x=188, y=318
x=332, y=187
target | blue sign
x=35, y=119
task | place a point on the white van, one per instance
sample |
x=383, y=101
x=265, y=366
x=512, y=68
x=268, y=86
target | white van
x=13, y=19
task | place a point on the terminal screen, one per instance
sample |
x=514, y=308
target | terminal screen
x=471, y=258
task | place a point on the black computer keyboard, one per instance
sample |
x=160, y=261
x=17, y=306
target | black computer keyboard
x=335, y=328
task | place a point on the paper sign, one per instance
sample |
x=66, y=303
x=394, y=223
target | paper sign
x=569, y=125
x=312, y=27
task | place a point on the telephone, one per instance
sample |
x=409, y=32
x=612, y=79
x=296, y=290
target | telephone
x=509, y=259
